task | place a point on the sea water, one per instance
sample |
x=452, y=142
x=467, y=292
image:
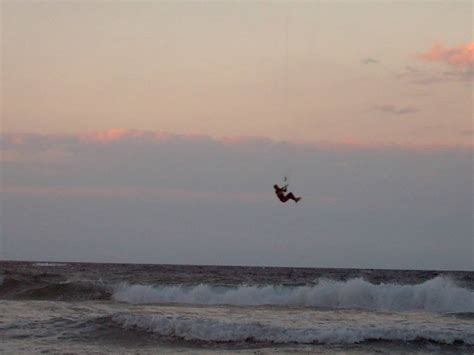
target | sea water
x=110, y=308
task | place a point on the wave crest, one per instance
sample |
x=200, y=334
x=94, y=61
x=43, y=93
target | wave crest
x=440, y=294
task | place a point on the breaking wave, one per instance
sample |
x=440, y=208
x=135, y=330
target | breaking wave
x=211, y=330
x=440, y=294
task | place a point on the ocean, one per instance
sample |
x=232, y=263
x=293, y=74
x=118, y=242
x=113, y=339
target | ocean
x=129, y=308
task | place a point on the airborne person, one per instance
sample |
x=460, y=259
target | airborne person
x=280, y=192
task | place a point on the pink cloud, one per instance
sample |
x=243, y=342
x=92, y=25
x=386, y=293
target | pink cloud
x=132, y=136
x=117, y=134
x=16, y=138
x=460, y=56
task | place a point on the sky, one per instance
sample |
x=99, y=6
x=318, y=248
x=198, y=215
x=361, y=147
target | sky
x=153, y=132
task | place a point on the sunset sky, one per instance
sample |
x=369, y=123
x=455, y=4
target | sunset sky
x=373, y=71
x=156, y=116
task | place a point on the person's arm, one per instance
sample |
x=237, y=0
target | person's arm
x=284, y=188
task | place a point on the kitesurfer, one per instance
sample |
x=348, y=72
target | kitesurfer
x=280, y=192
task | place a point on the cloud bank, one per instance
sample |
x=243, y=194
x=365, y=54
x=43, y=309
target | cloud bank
x=117, y=137
x=166, y=198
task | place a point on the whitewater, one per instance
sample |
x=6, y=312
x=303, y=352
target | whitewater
x=438, y=295
x=110, y=308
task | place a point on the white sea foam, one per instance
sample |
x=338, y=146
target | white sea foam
x=190, y=328
x=440, y=294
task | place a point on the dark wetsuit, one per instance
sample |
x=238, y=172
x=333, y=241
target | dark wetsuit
x=280, y=192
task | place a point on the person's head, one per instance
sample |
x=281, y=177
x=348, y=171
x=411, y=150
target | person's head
x=275, y=187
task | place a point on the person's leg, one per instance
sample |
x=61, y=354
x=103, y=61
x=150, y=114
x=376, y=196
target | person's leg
x=290, y=196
